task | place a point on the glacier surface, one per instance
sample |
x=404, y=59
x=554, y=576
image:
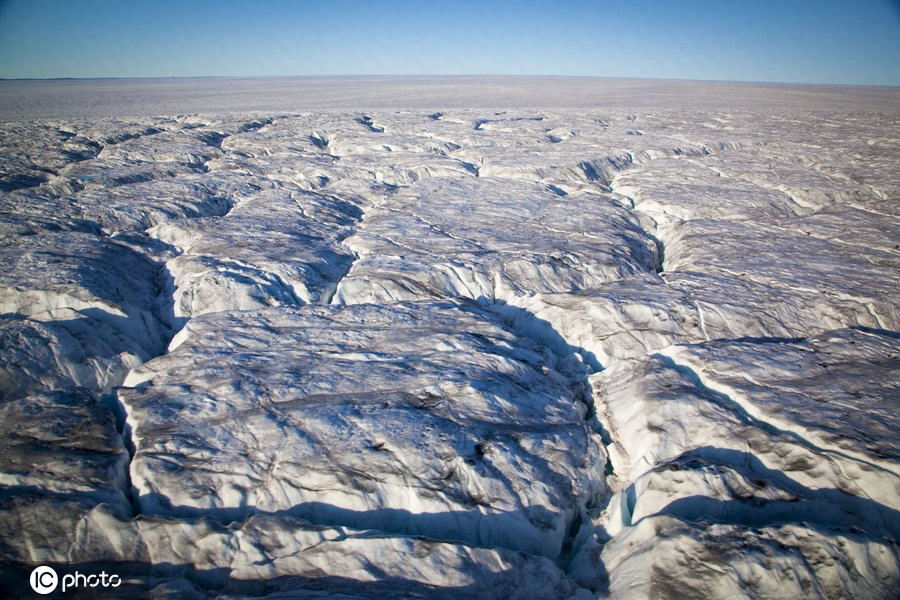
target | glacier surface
x=442, y=338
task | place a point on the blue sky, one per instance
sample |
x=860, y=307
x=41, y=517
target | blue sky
x=800, y=41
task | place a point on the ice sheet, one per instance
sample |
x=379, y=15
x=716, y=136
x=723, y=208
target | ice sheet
x=490, y=338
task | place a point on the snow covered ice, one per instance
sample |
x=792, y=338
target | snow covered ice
x=451, y=338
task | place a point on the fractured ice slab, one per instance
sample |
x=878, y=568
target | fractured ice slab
x=274, y=248
x=671, y=189
x=490, y=238
x=263, y=556
x=92, y=275
x=63, y=442
x=426, y=419
x=664, y=557
x=757, y=434
x=73, y=350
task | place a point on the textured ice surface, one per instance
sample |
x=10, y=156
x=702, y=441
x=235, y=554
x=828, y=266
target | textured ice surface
x=493, y=338
x=275, y=248
x=492, y=239
x=425, y=419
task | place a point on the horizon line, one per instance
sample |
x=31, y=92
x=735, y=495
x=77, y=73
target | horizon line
x=445, y=76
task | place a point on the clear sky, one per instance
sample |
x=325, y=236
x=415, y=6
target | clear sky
x=800, y=41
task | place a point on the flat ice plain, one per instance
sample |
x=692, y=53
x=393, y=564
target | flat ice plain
x=450, y=338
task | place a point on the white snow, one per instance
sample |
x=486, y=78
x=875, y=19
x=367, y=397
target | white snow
x=494, y=338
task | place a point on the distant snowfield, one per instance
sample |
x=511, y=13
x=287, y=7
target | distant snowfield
x=445, y=338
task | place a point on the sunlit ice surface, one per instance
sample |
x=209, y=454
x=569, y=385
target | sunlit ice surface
x=459, y=337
